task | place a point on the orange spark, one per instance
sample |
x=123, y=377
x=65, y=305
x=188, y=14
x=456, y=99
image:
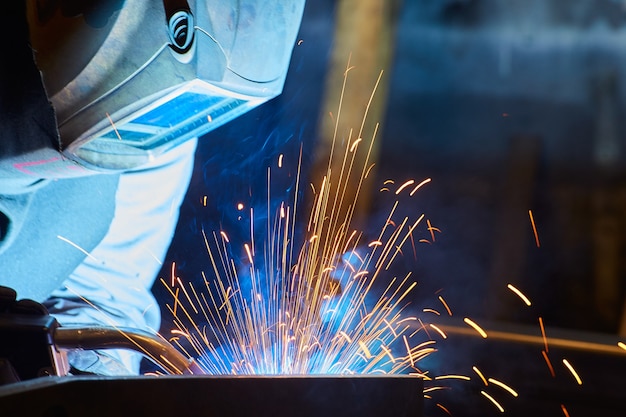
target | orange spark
x=432, y=230
x=424, y=327
x=418, y=186
x=564, y=410
x=369, y=169
x=480, y=375
x=622, y=345
x=363, y=346
x=493, y=400
x=248, y=252
x=403, y=186
x=444, y=409
x=503, y=386
x=173, y=274
x=408, y=350
x=532, y=222
x=445, y=305
x=176, y=301
x=462, y=377
x=519, y=294
x=543, y=334
x=388, y=353
x=438, y=330
x=180, y=332
x=186, y=295
x=476, y=327
x=355, y=144
x=431, y=389
x=430, y=310
x=345, y=336
x=86, y=253
x=550, y=367
x=573, y=371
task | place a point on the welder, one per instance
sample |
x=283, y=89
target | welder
x=101, y=105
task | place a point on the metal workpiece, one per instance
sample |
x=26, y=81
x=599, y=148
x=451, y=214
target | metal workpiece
x=26, y=347
x=232, y=396
x=151, y=346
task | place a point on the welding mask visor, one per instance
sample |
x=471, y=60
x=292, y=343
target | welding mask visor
x=130, y=80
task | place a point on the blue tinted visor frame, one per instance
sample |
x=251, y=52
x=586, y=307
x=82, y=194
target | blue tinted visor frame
x=155, y=125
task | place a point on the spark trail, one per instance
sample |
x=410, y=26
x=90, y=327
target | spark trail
x=326, y=306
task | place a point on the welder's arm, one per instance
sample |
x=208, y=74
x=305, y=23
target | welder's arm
x=118, y=274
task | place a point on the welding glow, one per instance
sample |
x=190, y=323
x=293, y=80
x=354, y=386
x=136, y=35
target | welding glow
x=621, y=345
x=323, y=306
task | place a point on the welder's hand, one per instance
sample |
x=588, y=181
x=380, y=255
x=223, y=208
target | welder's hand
x=9, y=304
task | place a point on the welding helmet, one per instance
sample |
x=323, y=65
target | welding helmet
x=129, y=80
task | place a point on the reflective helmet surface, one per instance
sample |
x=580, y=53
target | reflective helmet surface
x=131, y=79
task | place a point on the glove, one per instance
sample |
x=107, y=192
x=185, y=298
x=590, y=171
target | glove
x=10, y=305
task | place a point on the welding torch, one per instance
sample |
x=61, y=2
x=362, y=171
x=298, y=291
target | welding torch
x=153, y=347
x=33, y=344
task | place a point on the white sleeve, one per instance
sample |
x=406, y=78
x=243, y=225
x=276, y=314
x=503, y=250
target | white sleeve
x=117, y=276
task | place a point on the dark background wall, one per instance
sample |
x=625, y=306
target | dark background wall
x=508, y=107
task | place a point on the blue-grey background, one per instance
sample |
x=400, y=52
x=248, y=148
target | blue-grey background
x=482, y=93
